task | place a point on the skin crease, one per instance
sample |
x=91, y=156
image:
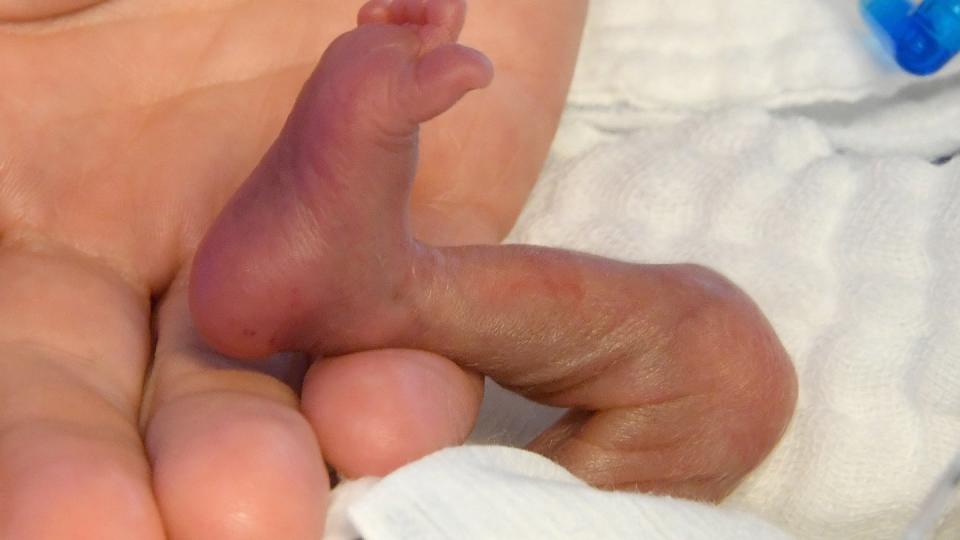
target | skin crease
x=127, y=126
x=678, y=384
x=26, y=10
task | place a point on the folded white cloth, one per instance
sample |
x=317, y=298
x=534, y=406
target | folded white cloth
x=475, y=493
x=769, y=141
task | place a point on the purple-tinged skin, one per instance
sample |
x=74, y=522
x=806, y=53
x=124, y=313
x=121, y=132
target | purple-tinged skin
x=678, y=383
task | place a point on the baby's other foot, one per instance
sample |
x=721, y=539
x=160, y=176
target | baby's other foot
x=320, y=232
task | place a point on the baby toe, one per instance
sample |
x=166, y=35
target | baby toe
x=374, y=11
x=443, y=76
x=436, y=21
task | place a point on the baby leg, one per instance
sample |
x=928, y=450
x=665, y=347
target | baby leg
x=677, y=382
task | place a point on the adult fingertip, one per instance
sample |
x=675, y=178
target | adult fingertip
x=374, y=412
x=229, y=465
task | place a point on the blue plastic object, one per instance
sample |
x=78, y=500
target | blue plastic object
x=923, y=38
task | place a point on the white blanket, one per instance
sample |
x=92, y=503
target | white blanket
x=479, y=492
x=771, y=141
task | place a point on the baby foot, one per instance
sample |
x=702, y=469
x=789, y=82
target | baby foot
x=320, y=231
x=679, y=384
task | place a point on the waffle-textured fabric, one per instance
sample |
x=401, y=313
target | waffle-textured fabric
x=774, y=143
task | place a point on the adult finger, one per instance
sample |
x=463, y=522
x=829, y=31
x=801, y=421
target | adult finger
x=74, y=344
x=232, y=456
x=376, y=411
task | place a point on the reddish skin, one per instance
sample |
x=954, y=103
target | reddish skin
x=114, y=415
x=401, y=405
x=678, y=383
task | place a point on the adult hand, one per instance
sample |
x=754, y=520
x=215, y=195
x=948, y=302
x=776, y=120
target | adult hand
x=126, y=126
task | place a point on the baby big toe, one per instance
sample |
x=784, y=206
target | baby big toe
x=443, y=76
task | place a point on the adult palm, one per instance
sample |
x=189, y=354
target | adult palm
x=126, y=126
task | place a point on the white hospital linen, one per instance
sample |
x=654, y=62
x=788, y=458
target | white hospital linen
x=766, y=139
x=478, y=493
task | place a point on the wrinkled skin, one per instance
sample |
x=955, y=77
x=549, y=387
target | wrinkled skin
x=679, y=385
x=127, y=125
